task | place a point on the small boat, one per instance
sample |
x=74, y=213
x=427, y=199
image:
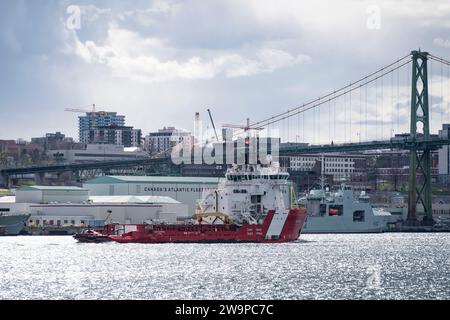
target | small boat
x=92, y=236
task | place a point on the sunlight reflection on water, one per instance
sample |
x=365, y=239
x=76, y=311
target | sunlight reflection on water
x=356, y=266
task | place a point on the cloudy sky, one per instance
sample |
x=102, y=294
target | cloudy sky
x=158, y=62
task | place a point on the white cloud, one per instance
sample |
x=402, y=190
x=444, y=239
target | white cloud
x=128, y=55
x=226, y=41
x=145, y=17
x=91, y=13
x=442, y=42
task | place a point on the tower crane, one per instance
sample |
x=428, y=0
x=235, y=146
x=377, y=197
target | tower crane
x=246, y=129
x=81, y=110
x=92, y=112
x=84, y=111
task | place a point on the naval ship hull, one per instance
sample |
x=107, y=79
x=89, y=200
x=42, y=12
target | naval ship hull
x=340, y=212
x=319, y=225
x=346, y=224
x=11, y=225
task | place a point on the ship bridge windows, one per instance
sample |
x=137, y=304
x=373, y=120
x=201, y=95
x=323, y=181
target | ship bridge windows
x=276, y=177
x=358, y=216
x=235, y=177
x=322, y=209
x=336, y=210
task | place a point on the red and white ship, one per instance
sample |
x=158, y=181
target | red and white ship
x=251, y=205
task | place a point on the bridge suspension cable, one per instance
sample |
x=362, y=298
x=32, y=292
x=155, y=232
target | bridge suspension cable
x=438, y=59
x=374, y=76
x=331, y=96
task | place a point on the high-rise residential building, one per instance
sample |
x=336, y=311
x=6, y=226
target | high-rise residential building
x=94, y=120
x=118, y=135
x=164, y=139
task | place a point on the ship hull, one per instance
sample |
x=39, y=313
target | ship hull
x=342, y=225
x=277, y=227
x=11, y=225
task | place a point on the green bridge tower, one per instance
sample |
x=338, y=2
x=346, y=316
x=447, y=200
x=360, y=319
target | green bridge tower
x=419, y=158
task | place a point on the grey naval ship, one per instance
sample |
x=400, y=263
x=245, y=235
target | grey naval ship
x=11, y=224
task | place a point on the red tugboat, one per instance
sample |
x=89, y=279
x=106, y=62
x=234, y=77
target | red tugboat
x=248, y=206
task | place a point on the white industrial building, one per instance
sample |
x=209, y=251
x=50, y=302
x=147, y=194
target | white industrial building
x=44, y=194
x=72, y=206
x=341, y=167
x=444, y=156
x=187, y=190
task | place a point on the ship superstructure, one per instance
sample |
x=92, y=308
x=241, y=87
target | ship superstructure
x=248, y=193
x=339, y=211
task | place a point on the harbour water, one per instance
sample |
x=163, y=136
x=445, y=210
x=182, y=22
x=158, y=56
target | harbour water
x=355, y=266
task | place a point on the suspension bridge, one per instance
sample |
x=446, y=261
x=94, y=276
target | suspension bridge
x=399, y=106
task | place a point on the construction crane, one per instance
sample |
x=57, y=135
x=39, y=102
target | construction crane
x=92, y=112
x=81, y=110
x=246, y=129
x=93, y=124
x=214, y=127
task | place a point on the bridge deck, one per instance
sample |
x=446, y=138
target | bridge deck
x=284, y=150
